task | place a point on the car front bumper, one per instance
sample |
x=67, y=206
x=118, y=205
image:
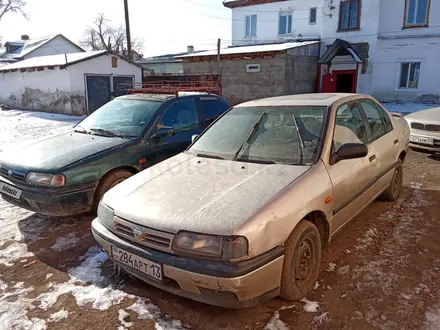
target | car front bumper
x=435, y=147
x=52, y=201
x=206, y=281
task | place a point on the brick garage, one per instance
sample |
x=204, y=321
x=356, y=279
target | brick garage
x=253, y=72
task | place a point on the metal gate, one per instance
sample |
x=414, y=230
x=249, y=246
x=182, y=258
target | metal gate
x=98, y=91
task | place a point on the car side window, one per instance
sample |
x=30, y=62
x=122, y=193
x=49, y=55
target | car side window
x=349, y=126
x=212, y=108
x=378, y=119
x=181, y=116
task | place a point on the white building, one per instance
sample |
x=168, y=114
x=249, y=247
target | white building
x=75, y=83
x=26, y=48
x=387, y=48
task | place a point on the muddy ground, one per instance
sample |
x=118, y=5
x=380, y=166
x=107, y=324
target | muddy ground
x=382, y=271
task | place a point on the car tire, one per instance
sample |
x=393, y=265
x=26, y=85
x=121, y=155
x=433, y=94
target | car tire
x=108, y=182
x=393, y=191
x=302, y=260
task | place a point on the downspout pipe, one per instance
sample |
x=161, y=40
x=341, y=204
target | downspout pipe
x=408, y=36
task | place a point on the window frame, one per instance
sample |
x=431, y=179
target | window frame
x=364, y=119
x=407, y=25
x=167, y=107
x=411, y=63
x=358, y=25
x=250, y=26
x=367, y=124
x=285, y=13
x=310, y=15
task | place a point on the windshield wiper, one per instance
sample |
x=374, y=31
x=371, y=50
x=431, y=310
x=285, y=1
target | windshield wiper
x=300, y=145
x=80, y=129
x=209, y=156
x=251, y=134
x=106, y=132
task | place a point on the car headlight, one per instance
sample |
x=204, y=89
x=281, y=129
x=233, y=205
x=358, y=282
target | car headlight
x=44, y=179
x=230, y=248
x=105, y=215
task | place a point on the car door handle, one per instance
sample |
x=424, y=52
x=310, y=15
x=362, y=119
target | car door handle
x=396, y=141
x=372, y=158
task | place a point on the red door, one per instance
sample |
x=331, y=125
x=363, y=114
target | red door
x=328, y=83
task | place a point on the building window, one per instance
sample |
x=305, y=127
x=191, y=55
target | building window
x=409, y=75
x=312, y=16
x=417, y=13
x=251, y=26
x=285, y=23
x=350, y=15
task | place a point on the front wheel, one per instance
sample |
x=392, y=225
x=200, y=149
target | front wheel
x=301, y=261
x=393, y=191
x=108, y=182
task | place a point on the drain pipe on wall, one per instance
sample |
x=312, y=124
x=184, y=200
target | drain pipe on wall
x=407, y=36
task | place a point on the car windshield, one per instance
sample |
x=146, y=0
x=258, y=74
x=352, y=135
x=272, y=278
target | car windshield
x=120, y=117
x=286, y=135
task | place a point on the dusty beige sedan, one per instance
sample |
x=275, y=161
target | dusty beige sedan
x=242, y=215
x=425, y=129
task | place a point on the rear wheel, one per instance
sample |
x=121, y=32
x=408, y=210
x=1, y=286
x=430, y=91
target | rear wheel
x=301, y=261
x=108, y=182
x=393, y=191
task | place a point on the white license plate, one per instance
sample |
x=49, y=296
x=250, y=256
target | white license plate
x=9, y=190
x=143, y=265
x=422, y=139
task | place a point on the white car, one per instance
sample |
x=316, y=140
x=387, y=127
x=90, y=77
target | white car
x=425, y=129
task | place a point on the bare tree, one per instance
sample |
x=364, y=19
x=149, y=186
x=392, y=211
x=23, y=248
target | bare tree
x=12, y=6
x=102, y=35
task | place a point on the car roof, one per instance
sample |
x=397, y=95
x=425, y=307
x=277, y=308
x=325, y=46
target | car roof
x=316, y=99
x=163, y=97
x=147, y=97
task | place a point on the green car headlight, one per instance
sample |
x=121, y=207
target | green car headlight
x=105, y=215
x=230, y=248
x=44, y=179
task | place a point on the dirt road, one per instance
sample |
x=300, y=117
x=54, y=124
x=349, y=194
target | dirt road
x=382, y=271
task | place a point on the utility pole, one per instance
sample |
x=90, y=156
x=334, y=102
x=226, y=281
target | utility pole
x=127, y=29
x=219, y=41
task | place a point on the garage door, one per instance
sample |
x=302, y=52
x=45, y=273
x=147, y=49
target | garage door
x=98, y=91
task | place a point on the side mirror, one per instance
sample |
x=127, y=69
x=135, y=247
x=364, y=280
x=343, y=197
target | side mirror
x=350, y=151
x=194, y=137
x=162, y=132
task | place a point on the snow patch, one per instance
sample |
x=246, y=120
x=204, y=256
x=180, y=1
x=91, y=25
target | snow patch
x=432, y=317
x=316, y=285
x=343, y=270
x=48, y=276
x=19, y=285
x=146, y=311
x=331, y=267
x=320, y=319
x=58, y=316
x=275, y=323
x=123, y=316
x=367, y=239
x=310, y=306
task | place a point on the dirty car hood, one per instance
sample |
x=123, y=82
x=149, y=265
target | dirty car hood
x=429, y=116
x=199, y=194
x=58, y=151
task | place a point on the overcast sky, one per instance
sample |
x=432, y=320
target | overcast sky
x=166, y=26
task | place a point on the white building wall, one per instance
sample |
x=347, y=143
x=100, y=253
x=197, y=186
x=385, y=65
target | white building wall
x=59, y=90
x=58, y=45
x=47, y=90
x=408, y=45
x=268, y=21
x=100, y=65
